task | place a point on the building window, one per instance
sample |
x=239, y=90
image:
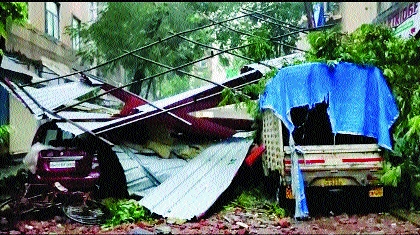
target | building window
x=75, y=24
x=93, y=11
x=52, y=19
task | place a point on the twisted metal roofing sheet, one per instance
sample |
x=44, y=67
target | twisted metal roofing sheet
x=145, y=173
x=24, y=98
x=52, y=97
x=194, y=189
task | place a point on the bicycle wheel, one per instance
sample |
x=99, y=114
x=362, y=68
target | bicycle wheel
x=16, y=206
x=91, y=212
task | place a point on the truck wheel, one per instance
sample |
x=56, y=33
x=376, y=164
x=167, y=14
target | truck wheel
x=380, y=204
x=284, y=202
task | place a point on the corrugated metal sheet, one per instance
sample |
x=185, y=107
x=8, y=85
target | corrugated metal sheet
x=52, y=97
x=12, y=64
x=145, y=173
x=277, y=62
x=28, y=102
x=194, y=189
x=84, y=115
x=77, y=131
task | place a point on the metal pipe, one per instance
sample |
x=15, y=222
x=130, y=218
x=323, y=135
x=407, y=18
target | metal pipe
x=56, y=115
x=247, y=34
x=134, y=118
x=138, y=49
x=272, y=18
x=184, y=72
x=156, y=75
x=154, y=106
x=304, y=30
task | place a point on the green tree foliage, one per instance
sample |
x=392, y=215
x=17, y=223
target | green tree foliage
x=4, y=134
x=126, y=26
x=257, y=30
x=4, y=141
x=11, y=12
x=278, y=19
x=125, y=211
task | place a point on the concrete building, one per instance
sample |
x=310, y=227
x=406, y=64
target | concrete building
x=43, y=49
x=354, y=14
x=403, y=17
x=43, y=40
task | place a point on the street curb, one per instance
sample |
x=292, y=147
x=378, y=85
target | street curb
x=406, y=215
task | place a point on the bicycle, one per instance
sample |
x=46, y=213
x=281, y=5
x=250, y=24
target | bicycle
x=76, y=205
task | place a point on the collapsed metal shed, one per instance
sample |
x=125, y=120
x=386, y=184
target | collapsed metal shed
x=167, y=186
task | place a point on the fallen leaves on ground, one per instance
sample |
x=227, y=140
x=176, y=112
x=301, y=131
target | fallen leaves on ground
x=238, y=221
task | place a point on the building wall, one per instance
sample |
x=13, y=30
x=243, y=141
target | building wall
x=32, y=41
x=402, y=17
x=355, y=14
x=36, y=16
x=23, y=126
x=37, y=50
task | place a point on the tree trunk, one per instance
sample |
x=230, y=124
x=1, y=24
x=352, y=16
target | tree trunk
x=148, y=88
x=136, y=87
x=309, y=14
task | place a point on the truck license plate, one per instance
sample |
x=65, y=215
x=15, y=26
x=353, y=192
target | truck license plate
x=289, y=193
x=333, y=182
x=63, y=164
x=376, y=192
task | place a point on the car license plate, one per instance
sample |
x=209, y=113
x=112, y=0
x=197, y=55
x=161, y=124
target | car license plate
x=63, y=164
x=333, y=182
x=376, y=192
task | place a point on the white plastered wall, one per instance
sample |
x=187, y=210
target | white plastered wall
x=23, y=124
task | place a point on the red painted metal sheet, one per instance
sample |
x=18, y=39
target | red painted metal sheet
x=208, y=98
x=256, y=152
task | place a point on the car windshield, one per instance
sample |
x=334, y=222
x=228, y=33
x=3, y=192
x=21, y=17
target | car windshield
x=58, y=138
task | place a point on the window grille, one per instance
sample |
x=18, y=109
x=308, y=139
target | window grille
x=52, y=19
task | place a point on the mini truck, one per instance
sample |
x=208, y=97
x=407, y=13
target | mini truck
x=339, y=128
x=322, y=165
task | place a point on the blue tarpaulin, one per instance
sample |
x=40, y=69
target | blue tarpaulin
x=360, y=101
